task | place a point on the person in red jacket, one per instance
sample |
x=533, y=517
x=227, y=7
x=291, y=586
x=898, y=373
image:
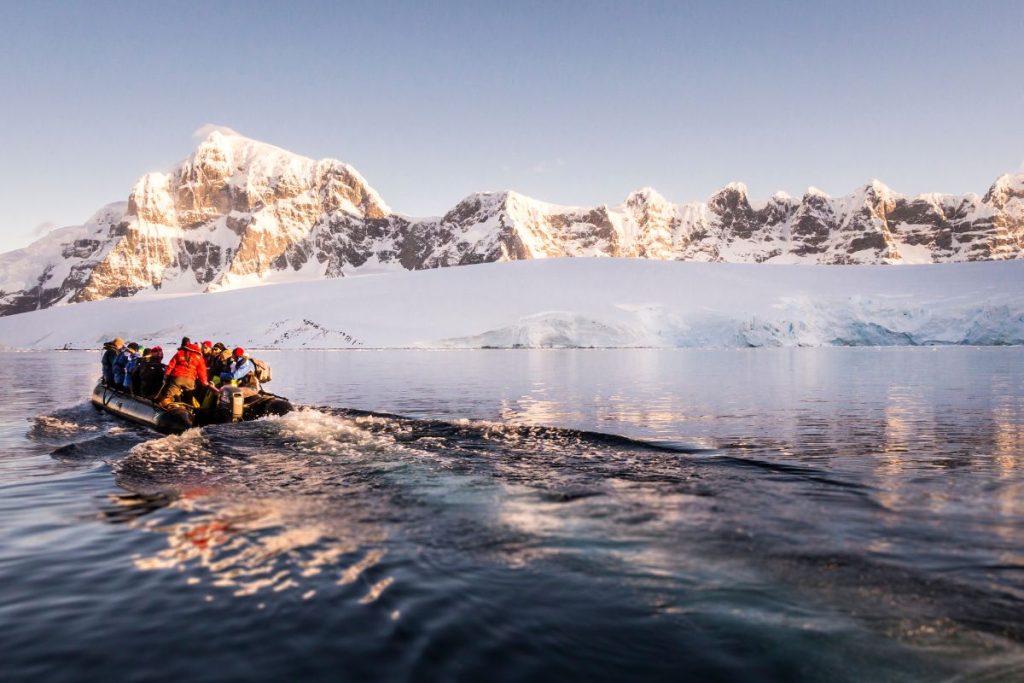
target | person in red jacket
x=186, y=369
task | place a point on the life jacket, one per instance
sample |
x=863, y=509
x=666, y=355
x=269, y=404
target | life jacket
x=188, y=362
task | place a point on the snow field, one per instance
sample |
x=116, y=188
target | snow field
x=582, y=302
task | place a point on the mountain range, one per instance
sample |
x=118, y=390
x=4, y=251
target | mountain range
x=238, y=212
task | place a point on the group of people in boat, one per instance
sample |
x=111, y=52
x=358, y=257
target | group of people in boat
x=193, y=376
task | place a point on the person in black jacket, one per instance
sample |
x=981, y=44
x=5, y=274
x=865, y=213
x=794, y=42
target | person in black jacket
x=150, y=372
x=110, y=352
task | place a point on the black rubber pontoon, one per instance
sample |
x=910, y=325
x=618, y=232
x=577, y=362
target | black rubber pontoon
x=178, y=417
x=174, y=420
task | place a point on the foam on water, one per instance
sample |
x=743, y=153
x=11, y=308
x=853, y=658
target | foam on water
x=312, y=431
x=71, y=423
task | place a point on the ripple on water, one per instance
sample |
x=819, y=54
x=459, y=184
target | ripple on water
x=407, y=517
x=67, y=424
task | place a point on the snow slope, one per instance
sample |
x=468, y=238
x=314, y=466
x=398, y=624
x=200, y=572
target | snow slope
x=567, y=303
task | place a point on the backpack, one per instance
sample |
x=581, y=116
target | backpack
x=262, y=373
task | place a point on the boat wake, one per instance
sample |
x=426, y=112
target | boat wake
x=80, y=433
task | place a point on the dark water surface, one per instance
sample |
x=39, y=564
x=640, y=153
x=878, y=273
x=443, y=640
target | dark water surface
x=819, y=515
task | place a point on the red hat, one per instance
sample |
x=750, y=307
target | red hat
x=238, y=352
x=207, y=343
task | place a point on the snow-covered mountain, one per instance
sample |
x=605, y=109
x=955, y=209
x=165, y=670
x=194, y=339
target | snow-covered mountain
x=238, y=212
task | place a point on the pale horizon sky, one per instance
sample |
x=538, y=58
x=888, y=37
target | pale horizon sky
x=574, y=103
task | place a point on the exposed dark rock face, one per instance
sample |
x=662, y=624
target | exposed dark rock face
x=238, y=212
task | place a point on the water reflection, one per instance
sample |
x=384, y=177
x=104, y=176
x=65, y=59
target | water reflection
x=258, y=546
x=869, y=499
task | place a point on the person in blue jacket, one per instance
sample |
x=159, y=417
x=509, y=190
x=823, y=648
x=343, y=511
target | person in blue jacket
x=121, y=362
x=110, y=351
x=129, y=368
x=241, y=370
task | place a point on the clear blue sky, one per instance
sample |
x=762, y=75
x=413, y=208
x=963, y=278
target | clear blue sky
x=569, y=102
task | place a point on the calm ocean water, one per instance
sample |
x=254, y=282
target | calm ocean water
x=805, y=514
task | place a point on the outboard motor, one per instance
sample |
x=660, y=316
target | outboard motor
x=231, y=404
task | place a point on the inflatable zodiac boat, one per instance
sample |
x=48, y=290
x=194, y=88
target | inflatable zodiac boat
x=235, y=404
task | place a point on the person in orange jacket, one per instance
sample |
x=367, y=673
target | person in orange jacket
x=186, y=369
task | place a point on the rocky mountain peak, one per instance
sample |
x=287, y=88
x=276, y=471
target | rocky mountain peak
x=479, y=203
x=876, y=191
x=878, y=186
x=239, y=212
x=1006, y=188
x=645, y=196
x=732, y=197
